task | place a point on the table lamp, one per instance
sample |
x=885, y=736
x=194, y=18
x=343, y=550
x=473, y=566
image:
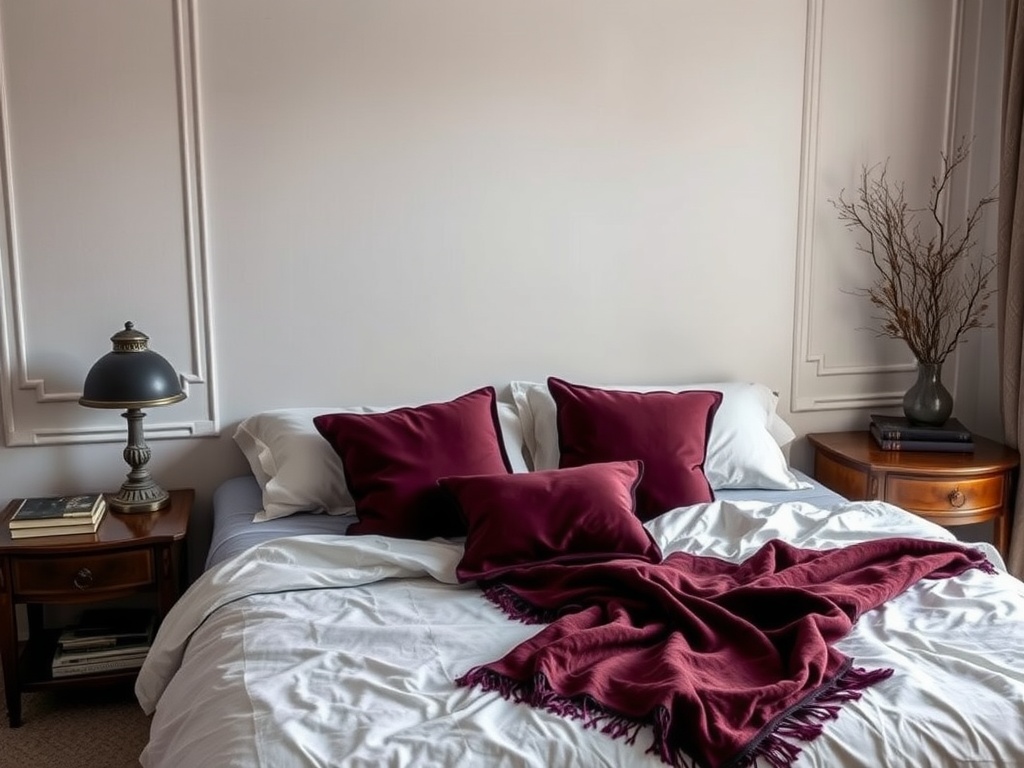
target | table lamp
x=133, y=377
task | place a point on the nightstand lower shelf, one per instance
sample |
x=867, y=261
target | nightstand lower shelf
x=35, y=668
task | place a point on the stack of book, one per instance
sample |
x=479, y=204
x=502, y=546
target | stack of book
x=104, y=640
x=58, y=516
x=896, y=433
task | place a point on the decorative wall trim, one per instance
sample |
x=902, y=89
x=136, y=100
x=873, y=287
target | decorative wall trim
x=804, y=396
x=808, y=188
x=194, y=189
x=19, y=413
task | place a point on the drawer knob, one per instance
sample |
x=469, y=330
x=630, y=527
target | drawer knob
x=957, y=498
x=83, y=579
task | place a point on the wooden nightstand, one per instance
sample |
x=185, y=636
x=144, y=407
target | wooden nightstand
x=947, y=488
x=128, y=555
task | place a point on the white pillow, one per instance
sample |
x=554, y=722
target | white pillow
x=299, y=471
x=743, y=448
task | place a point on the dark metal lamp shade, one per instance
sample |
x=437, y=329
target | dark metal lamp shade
x=133, y=377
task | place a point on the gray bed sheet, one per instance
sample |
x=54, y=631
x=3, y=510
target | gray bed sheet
x=236, y=501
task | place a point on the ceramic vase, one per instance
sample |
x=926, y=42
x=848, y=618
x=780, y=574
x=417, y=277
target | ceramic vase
x=928, y=402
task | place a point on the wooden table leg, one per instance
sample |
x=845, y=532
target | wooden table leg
x=1002, y=533
x=9, y=649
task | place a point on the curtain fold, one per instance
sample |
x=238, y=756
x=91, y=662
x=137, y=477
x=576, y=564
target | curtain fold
x=1010, y=260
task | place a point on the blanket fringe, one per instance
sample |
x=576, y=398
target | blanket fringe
x=806, y=720
x=591, y=713
x=986, y=566
x=516, y=607
x=673, y=756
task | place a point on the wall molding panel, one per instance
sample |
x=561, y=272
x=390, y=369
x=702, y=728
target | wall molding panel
x=103, y=210
x=853, y=108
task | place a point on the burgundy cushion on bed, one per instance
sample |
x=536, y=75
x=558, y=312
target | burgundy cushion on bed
x=392, y=461
x=556, y=515
x=667, y=431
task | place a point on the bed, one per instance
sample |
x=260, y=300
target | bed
x=304, y=645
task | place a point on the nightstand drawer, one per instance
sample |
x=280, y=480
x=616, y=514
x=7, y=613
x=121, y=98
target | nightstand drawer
x=937, y=496
x=40, y=577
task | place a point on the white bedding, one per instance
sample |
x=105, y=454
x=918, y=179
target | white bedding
x=327, y=650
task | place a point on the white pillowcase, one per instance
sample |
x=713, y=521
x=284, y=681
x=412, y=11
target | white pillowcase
x=299, y=471
x=743, y=448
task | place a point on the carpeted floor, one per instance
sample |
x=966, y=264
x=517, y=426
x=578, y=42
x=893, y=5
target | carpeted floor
x=103, y=728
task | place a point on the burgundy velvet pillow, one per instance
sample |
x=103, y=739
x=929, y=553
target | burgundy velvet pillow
x=392, y=461
x=667, y=431
x=552, y=516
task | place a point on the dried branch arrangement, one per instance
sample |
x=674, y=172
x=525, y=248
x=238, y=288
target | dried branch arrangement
x=930, y=289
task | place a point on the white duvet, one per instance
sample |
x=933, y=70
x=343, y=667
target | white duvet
x=336, y=651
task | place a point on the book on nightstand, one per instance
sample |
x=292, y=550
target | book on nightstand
x=98, y=627
x=97, y=666
x=104, y=640
x=901, y=428
x=35, y=524
x=929, y=446
x=55, y=510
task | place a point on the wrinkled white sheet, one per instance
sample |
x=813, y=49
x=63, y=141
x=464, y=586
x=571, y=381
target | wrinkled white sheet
x=336, y=651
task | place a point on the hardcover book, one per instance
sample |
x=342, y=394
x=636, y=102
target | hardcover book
x=71, y=658
x=58, y=510
x=64, y=528
x=900, y=428
x=110, y=625
x=72, y=643
x=98, y=667
x=932, y=446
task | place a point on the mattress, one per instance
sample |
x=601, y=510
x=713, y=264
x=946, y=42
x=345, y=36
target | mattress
x=236, y=501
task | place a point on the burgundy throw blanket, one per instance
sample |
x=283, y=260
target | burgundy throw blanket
x=727, y=662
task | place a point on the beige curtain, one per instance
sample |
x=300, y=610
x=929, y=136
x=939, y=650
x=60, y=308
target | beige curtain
x=1010, y=260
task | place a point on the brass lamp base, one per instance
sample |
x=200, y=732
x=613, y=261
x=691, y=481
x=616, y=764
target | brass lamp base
x=139, y=493
x=135, y=498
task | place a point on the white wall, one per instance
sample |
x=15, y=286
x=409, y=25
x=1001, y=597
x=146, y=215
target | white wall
x=327, y=201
